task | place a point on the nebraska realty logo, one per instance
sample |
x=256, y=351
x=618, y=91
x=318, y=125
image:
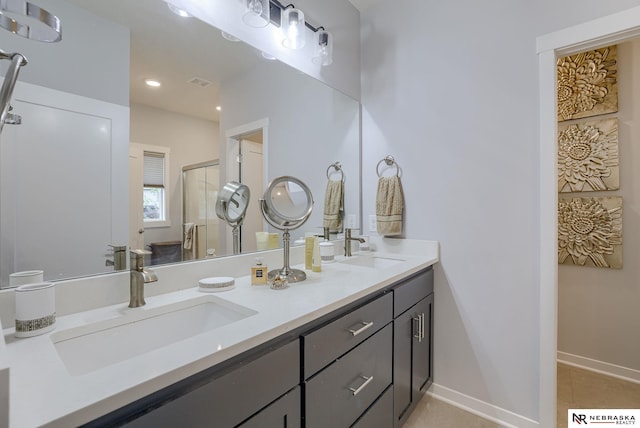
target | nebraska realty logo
x=582, y=417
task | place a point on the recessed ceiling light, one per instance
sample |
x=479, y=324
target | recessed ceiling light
x=218, y=108
x=268, y=56
x=152, y=82
x=180, y=12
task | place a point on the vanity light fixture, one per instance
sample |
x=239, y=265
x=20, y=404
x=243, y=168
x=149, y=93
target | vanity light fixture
x=152, y=82
x=323, y=41
x=293, y=30
x=292, y=25
x=257, y=13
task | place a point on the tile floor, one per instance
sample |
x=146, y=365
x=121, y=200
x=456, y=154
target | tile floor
x=433, y=413
x=577, y=388
x=584, y=389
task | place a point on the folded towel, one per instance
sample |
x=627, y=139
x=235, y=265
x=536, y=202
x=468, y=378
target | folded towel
x=333, y=205
x=188, y=236
x=389, y=206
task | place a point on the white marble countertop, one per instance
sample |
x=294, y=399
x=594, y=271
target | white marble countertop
x=43, y=392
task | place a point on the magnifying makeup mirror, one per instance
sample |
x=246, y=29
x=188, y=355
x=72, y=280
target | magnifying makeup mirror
x=231, y=206
x=286, y=205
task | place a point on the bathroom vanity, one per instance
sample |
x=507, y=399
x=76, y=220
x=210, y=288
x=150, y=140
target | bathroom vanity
x=350, y=346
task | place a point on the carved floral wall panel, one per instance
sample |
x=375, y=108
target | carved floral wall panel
x=590, y=231
x=587, y=84
x=588, y=156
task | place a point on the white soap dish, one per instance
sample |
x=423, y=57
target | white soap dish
x=216, y=284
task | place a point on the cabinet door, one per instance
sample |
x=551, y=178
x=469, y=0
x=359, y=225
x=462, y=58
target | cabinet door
x=412, y=358
x=402, y=345
x=422, y=348
x=283, y=413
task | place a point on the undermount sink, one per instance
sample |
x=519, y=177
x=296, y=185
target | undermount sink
x=371, y=261
x=138, y=331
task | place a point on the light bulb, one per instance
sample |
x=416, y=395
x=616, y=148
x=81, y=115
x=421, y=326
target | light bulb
x=257, y=13
x=323, y=48
x=256, y=7
x=293, y=28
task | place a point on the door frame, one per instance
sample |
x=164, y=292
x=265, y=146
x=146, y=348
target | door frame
x=605, y=31
x=233, y=136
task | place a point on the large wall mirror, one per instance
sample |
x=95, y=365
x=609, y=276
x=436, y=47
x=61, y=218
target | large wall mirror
x=102, y=159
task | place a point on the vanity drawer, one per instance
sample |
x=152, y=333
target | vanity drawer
x=380, y=414
x=414, y=289
x=324, y=345
x=227, y=400
x=339, y=394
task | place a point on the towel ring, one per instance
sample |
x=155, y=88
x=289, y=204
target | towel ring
x=338, y=168
x=389, y=161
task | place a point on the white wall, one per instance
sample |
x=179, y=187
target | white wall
x=451, y=90
x=311, y=126
x=597, y=308
x=191, y=141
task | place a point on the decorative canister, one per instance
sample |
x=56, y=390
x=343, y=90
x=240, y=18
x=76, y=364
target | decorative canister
x=26, y=277
x=327, y=252
x=35, y=309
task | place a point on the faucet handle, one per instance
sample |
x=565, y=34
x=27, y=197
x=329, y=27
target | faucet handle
x=137, y=258
x=140, y=252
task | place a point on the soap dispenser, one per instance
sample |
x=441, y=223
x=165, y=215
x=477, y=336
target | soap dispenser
x=259, y=273
x=316, y=263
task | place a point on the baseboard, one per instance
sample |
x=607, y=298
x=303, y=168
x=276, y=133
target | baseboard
x=624, y=373
x=500, y=416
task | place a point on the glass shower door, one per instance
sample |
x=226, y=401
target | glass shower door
x=201, y=183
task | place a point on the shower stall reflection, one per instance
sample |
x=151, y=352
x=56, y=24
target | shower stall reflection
x=201, y=184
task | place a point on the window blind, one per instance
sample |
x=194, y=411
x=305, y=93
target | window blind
x=153, y=169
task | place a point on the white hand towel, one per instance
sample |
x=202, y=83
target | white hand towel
x=188, y=235
x=389, y=206
x=333, y=205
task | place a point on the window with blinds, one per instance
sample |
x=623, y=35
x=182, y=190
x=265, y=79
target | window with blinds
x=154, y=176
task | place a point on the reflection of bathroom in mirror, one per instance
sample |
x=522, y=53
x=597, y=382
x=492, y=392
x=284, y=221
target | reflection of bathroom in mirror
x=66, y=172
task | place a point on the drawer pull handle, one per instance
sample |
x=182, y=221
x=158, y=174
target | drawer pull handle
x=367, y=381
x=416, y=327
x=365, y=325
x=420, y=320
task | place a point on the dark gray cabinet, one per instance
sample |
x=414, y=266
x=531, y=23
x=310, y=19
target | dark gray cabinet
x=380, y=414
x=348, y=363
x=339, y=394
x=365, y=366
x=283, y=413
x=326, y=344
x=228, y=400
x=413, y=345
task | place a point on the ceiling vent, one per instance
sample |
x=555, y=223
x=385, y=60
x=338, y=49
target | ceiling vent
x=199, y=81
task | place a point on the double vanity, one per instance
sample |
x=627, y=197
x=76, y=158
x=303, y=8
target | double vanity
x=350, y=346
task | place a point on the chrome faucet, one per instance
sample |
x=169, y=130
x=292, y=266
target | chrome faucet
x=347, y=242
x=139, y=276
